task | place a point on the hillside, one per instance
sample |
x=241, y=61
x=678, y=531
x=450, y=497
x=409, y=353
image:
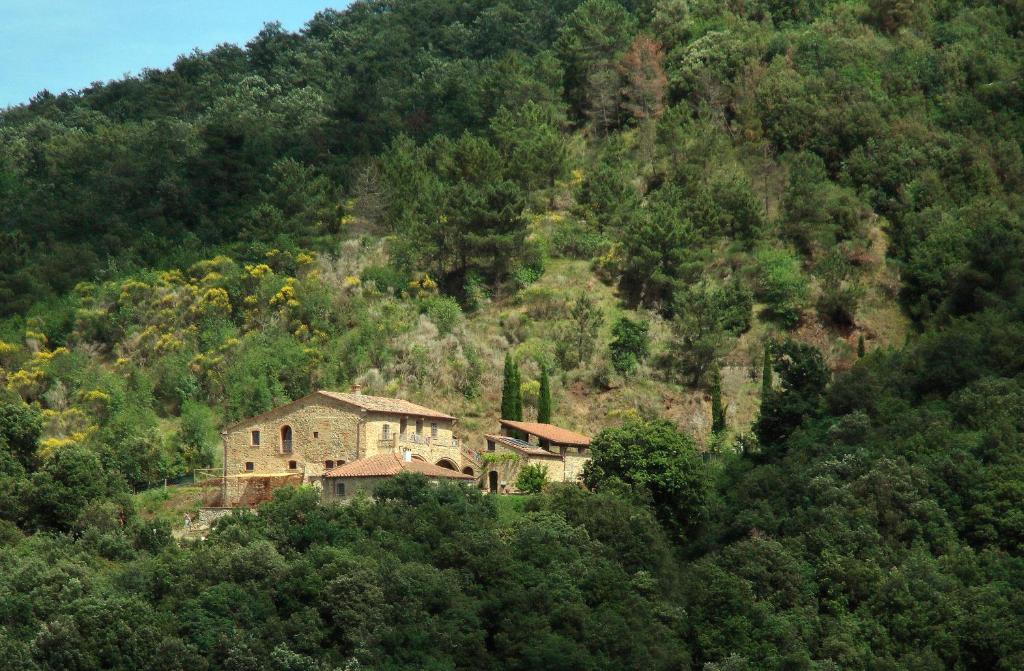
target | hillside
x=808, y=212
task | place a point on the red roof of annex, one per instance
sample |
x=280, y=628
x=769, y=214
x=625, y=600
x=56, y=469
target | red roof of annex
x=555, y=434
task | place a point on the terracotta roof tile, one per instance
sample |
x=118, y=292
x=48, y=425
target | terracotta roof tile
x=550, y=432
x=526, y=448
x=389, y=464
x=383, y=404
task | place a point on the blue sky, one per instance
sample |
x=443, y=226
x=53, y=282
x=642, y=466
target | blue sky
x=68, y=44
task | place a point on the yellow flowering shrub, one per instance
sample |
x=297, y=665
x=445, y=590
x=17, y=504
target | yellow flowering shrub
x=286, y=295
x=35, y=338
x=213, y=301
x=168, y=342
x=133, y=291
x=171, y=277
x=27, y=383
x=95, y=400
x=258, y=270
x=212, y=278
x=43, y=357
x=219, y=264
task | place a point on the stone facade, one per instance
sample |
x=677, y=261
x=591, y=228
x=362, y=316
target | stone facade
x=510, y=462
x=574, y=461
x=321, y=429
x=352, y=487
x=325, y=432
x=248, y=490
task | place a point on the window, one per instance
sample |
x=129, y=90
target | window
x=316, y=434
x=255, y=438
x=339, y=489
x=286, y=439
x=292, y=465
x=329, y=464
x=386, y=432
x=403, y=426
x=433, y=429
x=490, y=446
x=249, y=466
x=419, y=427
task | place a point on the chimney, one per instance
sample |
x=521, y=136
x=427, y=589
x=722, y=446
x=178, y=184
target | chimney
x=406, y=455
x=357, y=388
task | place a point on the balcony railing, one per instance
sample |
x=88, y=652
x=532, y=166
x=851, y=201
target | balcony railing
x=418, y=439
x=286, y=446
x=470, y=455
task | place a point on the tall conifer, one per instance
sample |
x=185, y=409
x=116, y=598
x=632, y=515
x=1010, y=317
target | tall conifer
x=544, y=399
x=511, y=404
x=717, y=409
x=517, y=385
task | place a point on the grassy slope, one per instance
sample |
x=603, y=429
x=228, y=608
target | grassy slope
x=580, y=404
x=169, y=504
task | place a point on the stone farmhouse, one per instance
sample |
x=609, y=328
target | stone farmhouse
x=561, y=451
x=347, y=443
x=307, y=440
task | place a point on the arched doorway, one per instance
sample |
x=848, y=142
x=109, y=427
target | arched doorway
x=447, y=463
x=468, y=470
x=286, y=439
x=492, y=482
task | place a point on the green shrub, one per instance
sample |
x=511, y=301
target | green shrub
x=630, y=344
x=444, y=311
x=782, y=285
x=524, y=276
x=531, y=478
x=576, y=240
x=386, y=278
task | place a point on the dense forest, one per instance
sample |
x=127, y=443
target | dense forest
x=770, y=253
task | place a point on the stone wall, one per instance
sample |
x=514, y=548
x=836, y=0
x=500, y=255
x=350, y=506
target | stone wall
x=353, y=486
x=321, y=430
x=508, y=471
x=249, y=490
x=574, y=463
x=207, y=516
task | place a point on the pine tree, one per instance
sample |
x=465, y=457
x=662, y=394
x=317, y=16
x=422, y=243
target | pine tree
x=717, y=409
x=860, y=347
x=644, y=78
x=511, y=399
x=766, y=373
x=544, y=399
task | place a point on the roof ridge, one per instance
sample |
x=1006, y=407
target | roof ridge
x=555, y=434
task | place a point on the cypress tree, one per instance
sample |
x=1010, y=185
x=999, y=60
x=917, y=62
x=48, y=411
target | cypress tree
x=510, y=393
x=517, y=385
x=766, y=373
x=717, y=409
x=544, y=401
x=860, y=346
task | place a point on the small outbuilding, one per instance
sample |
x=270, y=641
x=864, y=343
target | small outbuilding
x=561, y=452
